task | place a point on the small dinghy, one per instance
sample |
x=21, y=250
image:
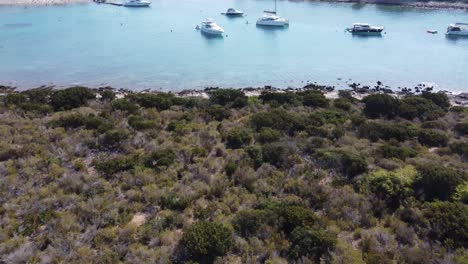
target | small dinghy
x=432, y=31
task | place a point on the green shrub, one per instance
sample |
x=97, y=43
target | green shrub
x=296, y=216
x=203, y=241
x=392, y=187
x=461, y=128
x=238, y=138
x=402, y=153
x=14, y=99
x=432, y=138
x=415, y=106
x=255, y=154
x=230, y=168
x=139, y=123
x=160, y=101
x=286, y=98
x=459, y=147
x=173, y=201
x=161, y=158
x=331, y=117
x=437, y=182
x=124, y=105
x=348, y=163
x=448, y=223
x=342, y=103
x=377, y=130
x=311, y=242
x=38, y=95
x=71, y=98
x=439, y=98
x=113, y=138
x=248, y=222
x=107, y=95
x=268, y=135
x=380, y=105
x=75, y=120
x=280, y=120
x=314, y=99
x=275, y=154
x=228, y=97
x=110, y=166
x=218, y=112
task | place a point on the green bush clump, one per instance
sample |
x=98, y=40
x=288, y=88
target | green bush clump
x=402, y=153
x=204, y=241
x=173, y=201
x=432, y=138
x=110, y=166
x=311, y=242
x=75, y=120
x=435, y=181
x=348, y=163
x=255, y=155
x=331, y=117
x=70, y=98
x=230, y=168
x=439, y=98
x=461, y=128
x=342, y=103
x=238, y=138
x=381, y=105
x=448, y=223
x=459, y=147
x=160, y=101
x=125, y=105
x=139, y=123
x=280, y=120
x=14, y=99
x=268, y=135
x=228, y=97
x=314, y=99
x=417, y=107
x=218, y=112
x=275, y=154
x=107, y=95
x=386, y=131
x=113, y=138
x=161, y=158
x=286, y=98
x=248, y=222
x=393, y=187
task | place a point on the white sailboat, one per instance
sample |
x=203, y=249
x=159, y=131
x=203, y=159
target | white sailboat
x=270, y=18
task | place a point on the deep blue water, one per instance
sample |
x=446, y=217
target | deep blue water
x=134, y=48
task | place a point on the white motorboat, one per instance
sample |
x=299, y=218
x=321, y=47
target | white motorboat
x=233, y=12
x=210, y=27
x=136, y=3
x=270, y=18
x=457, y=29
x=366, y=29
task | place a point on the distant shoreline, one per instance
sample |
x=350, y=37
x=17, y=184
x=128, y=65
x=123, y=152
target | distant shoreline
x=404, y=3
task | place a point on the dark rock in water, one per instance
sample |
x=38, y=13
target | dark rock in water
x=379, y=83
x=267, y=87
x=7, y=89
x=315, y=86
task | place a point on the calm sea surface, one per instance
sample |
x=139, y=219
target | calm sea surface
x=158, y=47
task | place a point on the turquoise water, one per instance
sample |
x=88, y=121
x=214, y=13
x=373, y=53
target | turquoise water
x=134, y=48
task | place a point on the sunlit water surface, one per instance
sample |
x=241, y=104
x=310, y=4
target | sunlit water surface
x=158, y=47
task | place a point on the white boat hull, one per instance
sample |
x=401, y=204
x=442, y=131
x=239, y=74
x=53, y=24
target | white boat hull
x=457, y=33
x=273, y=23
x=212, y=32
x=141, y=4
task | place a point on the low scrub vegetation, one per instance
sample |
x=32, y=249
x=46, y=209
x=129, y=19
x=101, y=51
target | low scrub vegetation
x=91, y=176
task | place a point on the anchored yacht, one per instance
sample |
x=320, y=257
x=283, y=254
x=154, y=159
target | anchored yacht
x=458, y=29
x=367, y=29
x=233, y=12
x=210, y=27
x=270, y=18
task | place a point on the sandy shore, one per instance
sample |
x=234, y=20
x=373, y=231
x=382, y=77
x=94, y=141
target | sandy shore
x=41, y=2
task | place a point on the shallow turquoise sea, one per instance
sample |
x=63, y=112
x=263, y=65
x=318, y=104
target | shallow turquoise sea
x=159, y=48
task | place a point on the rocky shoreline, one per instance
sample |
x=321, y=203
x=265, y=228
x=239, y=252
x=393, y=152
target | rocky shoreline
x=355, y=89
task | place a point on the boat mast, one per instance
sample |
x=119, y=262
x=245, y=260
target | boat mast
x=275, y=6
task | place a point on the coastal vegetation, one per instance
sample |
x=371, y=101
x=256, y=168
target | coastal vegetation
x=100, y=176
